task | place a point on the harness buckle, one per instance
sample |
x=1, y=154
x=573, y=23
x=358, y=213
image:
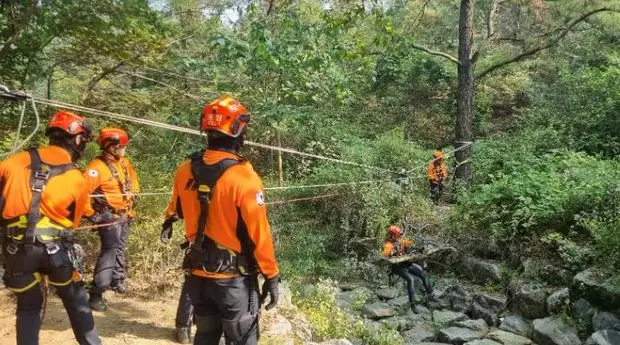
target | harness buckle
x=52, y=249
x=12, y=248
x=40, y=177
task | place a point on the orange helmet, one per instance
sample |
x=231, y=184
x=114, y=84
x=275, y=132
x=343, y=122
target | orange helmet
x=438, y=154
x=394, y=230
x=112, y=136
x=225, y=115
x=69, y=123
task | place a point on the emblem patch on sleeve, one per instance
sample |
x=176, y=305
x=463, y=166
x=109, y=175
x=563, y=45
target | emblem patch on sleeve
x=260, y=199
x=93, y=173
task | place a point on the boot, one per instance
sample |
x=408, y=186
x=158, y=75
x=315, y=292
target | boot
x=96, y=301
x=430, y=297
x=119, y=287
x=183, y=335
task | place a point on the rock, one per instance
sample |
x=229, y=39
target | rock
x=487, y=307
x=508, y=338
x=558, y=301
x=475, y=325
x=583, y=313
x=482, y=271
x=278, y=326
x=603, y=320
x=399, y=323
x=353, y=299
x=448, y=317
x=516, y=324
x=418, y=334
x=431, y=343
x=530, y=301
x=378, y=310
x=387, y=293
x=457, y=298
x=590, y=284
x=457, y=335
x=553, y=331
x=401, y=303
x=308, y=290
x=606, y=337
x=482, y=342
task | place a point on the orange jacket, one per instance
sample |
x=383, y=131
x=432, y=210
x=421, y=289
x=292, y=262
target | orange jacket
x=64, y=198
x=389, y=250
x=101, y=181
x=237, y=197
x=437, y=172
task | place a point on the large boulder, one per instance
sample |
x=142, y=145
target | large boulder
x=603, y=320
x=478, y=325
x=516, y=324
x=507, y=338
x=583, y=313
x=530, y=301
x=558, y=301
x=378, y=310
x=606, y=337
x=399, y=323
x=487, y=307
x=457, y=298
x=482, y=342
x=553, y=331
x=457, y=335
x=482, y=271
x=332, y=342
x=419, y=333
x=400, y=303
x=351, y=299
x=591, y=284
x=445, y=318
x=387, y=293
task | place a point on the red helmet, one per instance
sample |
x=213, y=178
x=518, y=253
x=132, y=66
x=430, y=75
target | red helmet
x=112, y=136
x=69, y=123
x=394, y=230
x=225, y=115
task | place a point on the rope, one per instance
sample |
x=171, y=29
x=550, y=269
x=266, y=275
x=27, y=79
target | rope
x=339, y=184
x=277, y=202
x=70, y=106
x=467, y=144
x=19, y=127
x=3, y=92
x=96, y=226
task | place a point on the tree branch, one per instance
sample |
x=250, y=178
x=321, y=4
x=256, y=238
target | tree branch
x=491, y=19
x=548, y=45
x=437, y=53
x=96, y=79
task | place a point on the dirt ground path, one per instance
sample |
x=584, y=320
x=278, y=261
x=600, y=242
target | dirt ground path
x=133, y=319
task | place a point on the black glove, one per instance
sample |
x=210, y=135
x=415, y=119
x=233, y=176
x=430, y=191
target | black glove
x=270, y=287
x=166, y=229
x=102, y=218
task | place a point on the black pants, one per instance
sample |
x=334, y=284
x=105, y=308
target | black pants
x=436, y=190
x=23, y=270
x=408, y=272
x=223, y=305
x=185, y=308
x=111, y=264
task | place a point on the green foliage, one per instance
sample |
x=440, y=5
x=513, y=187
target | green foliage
x=561, y=199
x=328, y=321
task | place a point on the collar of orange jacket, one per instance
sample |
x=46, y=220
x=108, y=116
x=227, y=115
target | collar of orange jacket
x=214, y=156
x=60, y=152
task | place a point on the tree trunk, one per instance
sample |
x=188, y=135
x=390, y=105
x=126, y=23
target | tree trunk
x=465, y=98
x=280, y=163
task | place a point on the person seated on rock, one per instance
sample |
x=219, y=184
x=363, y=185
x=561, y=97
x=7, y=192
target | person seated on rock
x=395, y=245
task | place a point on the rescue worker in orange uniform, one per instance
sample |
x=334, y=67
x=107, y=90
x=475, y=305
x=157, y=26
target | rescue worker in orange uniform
x=43, y=196
x=221, y=199
x=395, y=245
x=437, y=171
x=113, y=180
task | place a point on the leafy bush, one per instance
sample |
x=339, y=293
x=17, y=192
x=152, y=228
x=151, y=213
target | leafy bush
x=566, y=201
